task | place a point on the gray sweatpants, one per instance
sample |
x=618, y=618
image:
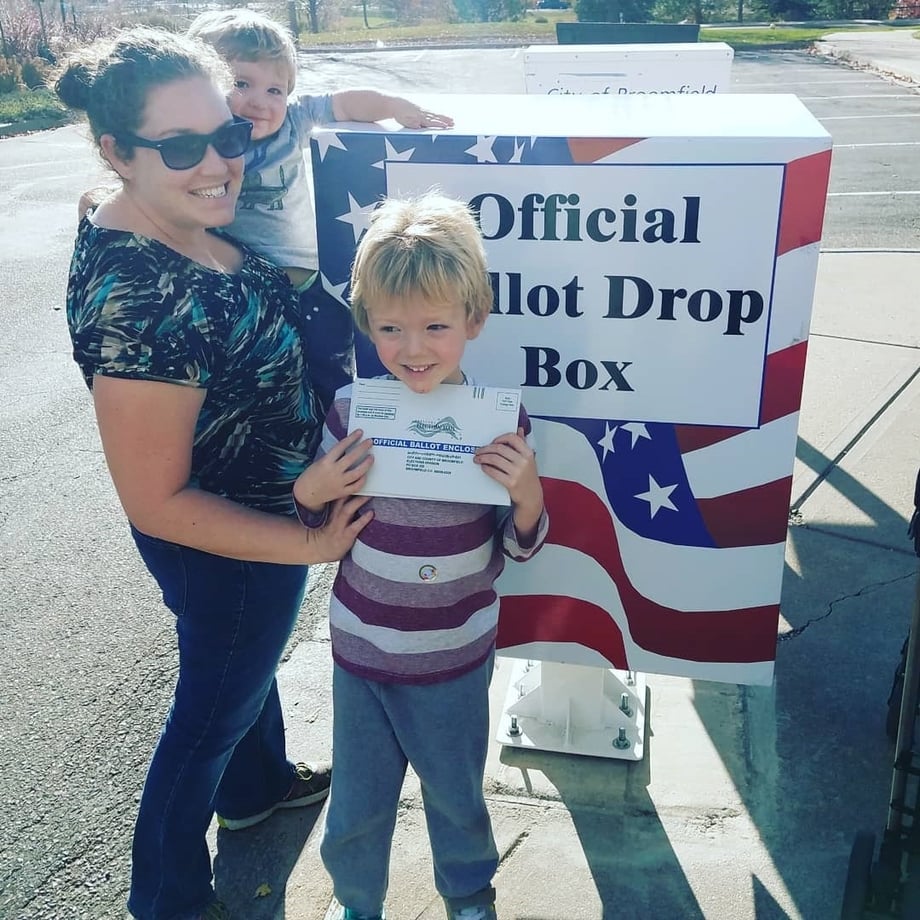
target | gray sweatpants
x=441, y=729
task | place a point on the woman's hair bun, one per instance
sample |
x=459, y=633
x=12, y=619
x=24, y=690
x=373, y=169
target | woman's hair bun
x=74, y=85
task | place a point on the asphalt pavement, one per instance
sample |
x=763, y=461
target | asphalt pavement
x=747, y=800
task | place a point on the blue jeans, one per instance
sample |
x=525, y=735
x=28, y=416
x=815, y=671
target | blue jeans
x=222, y=747
x=442, y=729
x=328, y=336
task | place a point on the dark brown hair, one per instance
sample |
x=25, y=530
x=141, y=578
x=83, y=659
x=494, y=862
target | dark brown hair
x=111, y=80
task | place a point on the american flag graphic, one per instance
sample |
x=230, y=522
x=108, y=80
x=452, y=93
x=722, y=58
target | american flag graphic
x=666, y=543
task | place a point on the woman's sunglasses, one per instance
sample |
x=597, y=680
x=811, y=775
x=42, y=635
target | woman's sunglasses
x=187, y=150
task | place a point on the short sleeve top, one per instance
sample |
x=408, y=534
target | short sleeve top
x=138, y=309
x=274, y=214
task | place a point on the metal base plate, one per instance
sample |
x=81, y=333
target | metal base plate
x=575, y=709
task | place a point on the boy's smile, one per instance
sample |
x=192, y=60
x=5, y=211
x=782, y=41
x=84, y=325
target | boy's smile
x=419, y=342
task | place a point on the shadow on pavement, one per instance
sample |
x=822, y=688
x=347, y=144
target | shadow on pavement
x=632, y=864
x=252, y=867
x=818, y=764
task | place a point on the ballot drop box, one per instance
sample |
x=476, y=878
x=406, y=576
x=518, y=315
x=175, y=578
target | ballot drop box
x=653, y=263
x=681, y=69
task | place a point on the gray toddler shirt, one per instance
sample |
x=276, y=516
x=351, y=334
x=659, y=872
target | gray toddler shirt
x=275, y=214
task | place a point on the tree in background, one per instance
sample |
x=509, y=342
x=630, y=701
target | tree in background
x=784, y=10
x=906, y=9
x=33, y=38
x=804, y=10
x=314, y=15
x=489, y=10
x=405, y=12
x=698, y=11
x=854, y=9
x=614, y=10
x=701, y=11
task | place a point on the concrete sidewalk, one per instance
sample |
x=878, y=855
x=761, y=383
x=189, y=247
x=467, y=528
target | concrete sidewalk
x=891, y=53
x=747, y=800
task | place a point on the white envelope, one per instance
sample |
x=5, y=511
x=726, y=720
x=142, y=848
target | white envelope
x=424, y=442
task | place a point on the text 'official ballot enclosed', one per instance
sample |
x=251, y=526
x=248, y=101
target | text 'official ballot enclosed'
x=653, y=262
x=424, y=443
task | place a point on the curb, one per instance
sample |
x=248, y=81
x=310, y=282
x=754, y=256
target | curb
x=34, y=125
x=515, y=43
x=834, y=53
x=423, y=46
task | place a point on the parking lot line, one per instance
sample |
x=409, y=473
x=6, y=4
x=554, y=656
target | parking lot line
x=861, y=117
x=870, y=194
x=774, y=83
x=864, y=96
x=879, y=144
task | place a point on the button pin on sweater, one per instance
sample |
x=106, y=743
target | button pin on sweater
x=428, y=572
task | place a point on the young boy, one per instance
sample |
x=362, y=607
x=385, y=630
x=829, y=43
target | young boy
x=414, y=611
x=275, y=211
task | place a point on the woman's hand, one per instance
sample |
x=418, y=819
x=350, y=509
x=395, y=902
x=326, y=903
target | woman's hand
x=336, y=537
x=148, y=430
x=338, y=474
x=93, y=197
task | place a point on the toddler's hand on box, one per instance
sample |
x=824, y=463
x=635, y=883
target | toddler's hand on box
x=409, y=115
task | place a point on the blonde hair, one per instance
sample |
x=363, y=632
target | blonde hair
x=430, y=245
x=243, y=35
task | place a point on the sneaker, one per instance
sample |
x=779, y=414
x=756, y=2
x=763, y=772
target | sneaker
x=473, y=912
x=311, y=785
x=338, y=912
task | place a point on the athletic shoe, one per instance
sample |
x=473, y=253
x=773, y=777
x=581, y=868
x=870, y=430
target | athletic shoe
x=311, y=785
x=338, y=912
x=472, y=912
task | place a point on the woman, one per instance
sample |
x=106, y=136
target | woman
x=190, y=345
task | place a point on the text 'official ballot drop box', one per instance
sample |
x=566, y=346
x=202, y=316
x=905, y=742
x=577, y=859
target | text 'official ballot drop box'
x=619, y=70
x=653, y=260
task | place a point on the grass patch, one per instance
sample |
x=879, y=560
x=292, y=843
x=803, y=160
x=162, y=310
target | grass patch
x=542, y=28
x=741, y=37
x=31, y=105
